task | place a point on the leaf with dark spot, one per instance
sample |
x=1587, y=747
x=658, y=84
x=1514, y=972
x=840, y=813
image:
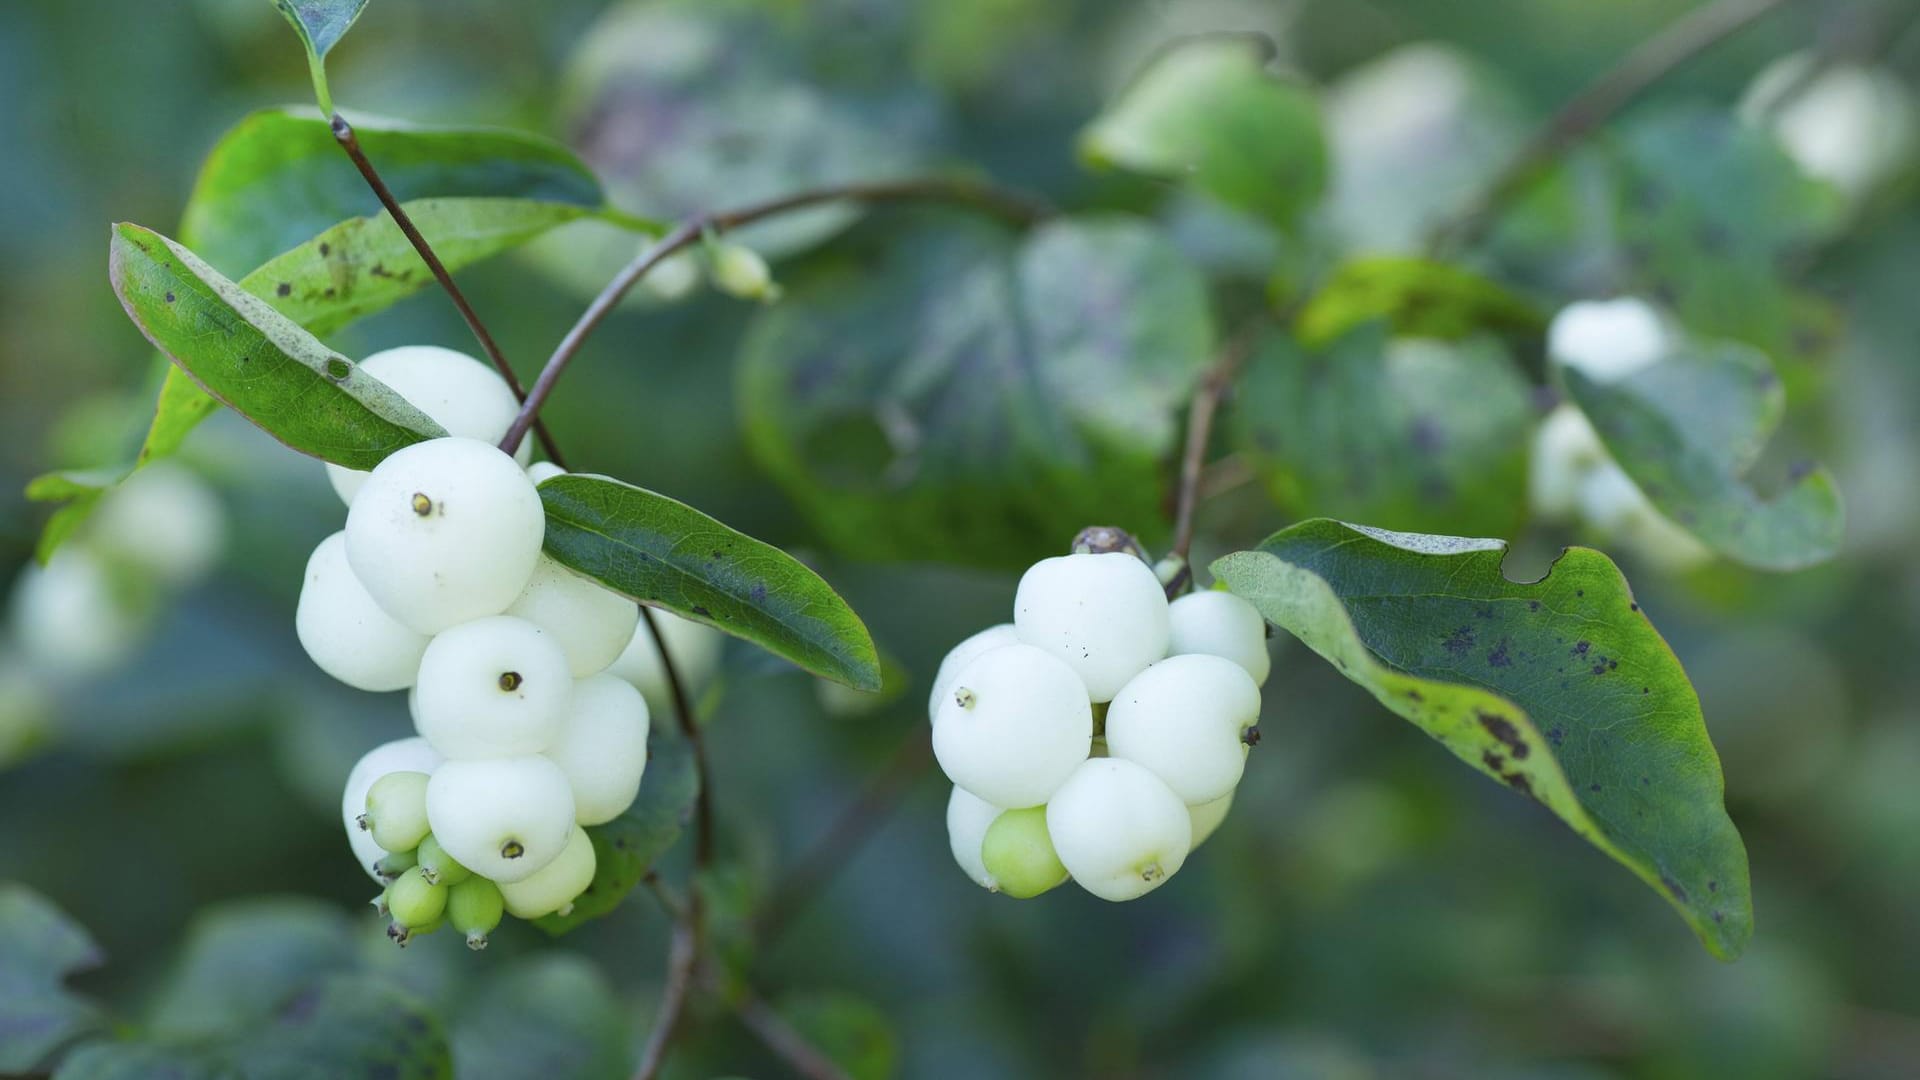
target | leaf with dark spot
x=1384, y=606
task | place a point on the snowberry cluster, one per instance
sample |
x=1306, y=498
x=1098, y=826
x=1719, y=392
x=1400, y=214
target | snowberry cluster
x=1100, y=735
x=1572, y=475
x=522, y=674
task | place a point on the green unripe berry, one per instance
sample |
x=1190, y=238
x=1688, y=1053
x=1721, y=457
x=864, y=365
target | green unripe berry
x=393, y=864
x=437, y=866
x=475, y=907
x=1019, y=854
x=413, y=901
x=397, y=810
x=740, y=271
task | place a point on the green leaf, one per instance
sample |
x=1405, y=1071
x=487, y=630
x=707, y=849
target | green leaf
x=1413, y=433
x=39, y=948
x=626, y=848
x=973, y=398
x=666, y=554
x=1209, y=112
x=321, y=23
x=1689, y=431
x=1559, y=688
x=1714, y=218
x=278, y=178
x=550, y=1015
x=849, y=1030
x=689, y=106
x=246, y=959
x=256, y=360
x=1417, y=297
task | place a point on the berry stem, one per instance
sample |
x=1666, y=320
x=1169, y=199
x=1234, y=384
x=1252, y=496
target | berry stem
x=1654, y=59
x=682, y=957
x=789, y=1045
x=343, y=134
x=1213, y=387
x=1007, y=204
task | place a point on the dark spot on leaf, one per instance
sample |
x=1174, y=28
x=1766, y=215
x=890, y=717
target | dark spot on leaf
x=1579, y=592
x=326, y=249
x=1593, y=787
x=1633, y=607
x=1646, y=690
x=283, y=289
x=1459, y=641
x=329, y=293
x=758, y=594
x=379, y=270
x=1504, y=730
x=1518, y=781
x=1492, y=760
x=1713, y=886
x=1719, y=916
x=700, y=611
x=1533, y=605
x=1484, y=611
x=1673, y=887
x=1416, y=695
x=1580, y=648
x=1498, y=656
x=1557, y=735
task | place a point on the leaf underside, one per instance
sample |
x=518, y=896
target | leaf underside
x=1560, y=688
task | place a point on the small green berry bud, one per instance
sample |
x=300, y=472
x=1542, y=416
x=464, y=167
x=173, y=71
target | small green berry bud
x=739, y=271
x=475, y=907
x=1019, y=855
x=393, y=864
x=413, y=901
x=439, y=867
x=397, y=810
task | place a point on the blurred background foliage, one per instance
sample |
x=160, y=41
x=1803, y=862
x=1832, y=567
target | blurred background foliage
x=1368, y=909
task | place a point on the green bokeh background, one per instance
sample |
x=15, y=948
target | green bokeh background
x=1369, y=909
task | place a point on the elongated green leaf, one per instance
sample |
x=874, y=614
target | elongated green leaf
x=1413, y=433
x=277, y=179
x=321, y=23
x=626, y=848
x=244, y=960
x=1559, y=688
x=257, y=360
x=1689, y=430
x=1417, y=297
x=1208, y=112
x=665, y=553
x=970, y=398
x=39, y=948
x=549, y=1015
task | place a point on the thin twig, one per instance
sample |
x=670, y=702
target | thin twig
x=1685, y=38
x=844, y=837
x=994, y=200
x=1213, y=387
x=787, y=1044
x=689, y=727
x=343, y=134
x=683, y=957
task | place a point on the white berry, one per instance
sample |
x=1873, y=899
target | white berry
x=1615, y=506
x=1207, y=817
x=1105, y=615
x=1014, y=727
x=592, y=624
x=542, y=471
x=963, y=654
x=1565, y=450
x=163, y=519
x=349, y=636
x=696, y=656
x=1118, y=829
x=554, y=886
x=1608, y=340
x=493, y=687
x=1219, y=623
x=69, y=617
x=968, y=818
x=502, y=818
x=602, y=747
x=1186, y=719
x=401, y=755
x=461, y=394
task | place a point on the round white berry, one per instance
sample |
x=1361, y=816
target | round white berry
x=542, y=471
x=554, y=886
x=1019, y=855
x=591, y=624
x=1565, y=450
x=493, y=687
x=1851, y=125
x=602, y=747
x=400, y=755
x=1014, y=727
x=502, y=818
x=1615, y=506
x=1118, y=829
x=445, y=531
x=963, y=654
x=1186, y=719
x=1218, y=623
x=349, y=636
x=1207, y=817
x=163, y=519
x=69, y=617
x=1105, y=615
x=461, y=394
x=968, y=818
x=696, y=656
x=1608, y=340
